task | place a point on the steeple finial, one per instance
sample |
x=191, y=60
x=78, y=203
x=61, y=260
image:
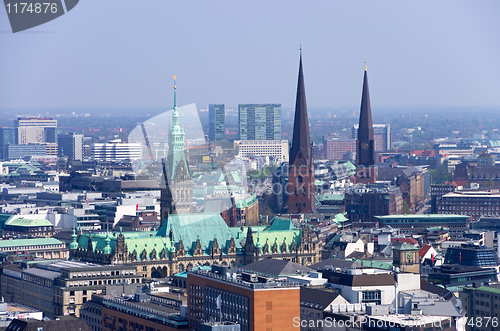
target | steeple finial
x=300, y=46
x=175, y=92
x=365, y=65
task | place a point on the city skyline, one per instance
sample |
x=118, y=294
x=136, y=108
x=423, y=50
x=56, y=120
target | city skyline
x=439, y=57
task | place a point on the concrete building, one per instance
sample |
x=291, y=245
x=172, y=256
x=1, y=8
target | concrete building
x=32, y=129
x=115, y=150
x=70, y=145
x=255, y=302
x=259, y=121
x=276, y=150
x=39, y=248
x=61, y=288
x=418, y=223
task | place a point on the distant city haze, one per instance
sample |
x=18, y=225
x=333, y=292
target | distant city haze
x=123, y=54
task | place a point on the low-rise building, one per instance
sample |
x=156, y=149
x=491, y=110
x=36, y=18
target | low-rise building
x=418, y=223
x=61, y=288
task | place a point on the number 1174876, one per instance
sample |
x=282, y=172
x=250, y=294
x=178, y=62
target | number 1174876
x=478, y=322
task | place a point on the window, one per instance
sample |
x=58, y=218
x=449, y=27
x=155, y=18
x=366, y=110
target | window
x=371, y=296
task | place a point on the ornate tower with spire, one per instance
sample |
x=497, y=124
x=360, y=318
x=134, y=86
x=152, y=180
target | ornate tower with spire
x=365, y=144
x=177, y=188
x=300, y=188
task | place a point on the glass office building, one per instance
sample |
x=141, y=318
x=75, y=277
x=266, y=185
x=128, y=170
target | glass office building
x=259, y=121
x=216, y=119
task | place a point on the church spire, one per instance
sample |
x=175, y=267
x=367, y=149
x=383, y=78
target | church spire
x=365, y=144
x=301, y=140
x=301, y=168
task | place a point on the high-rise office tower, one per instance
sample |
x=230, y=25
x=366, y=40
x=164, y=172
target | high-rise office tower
x=259, y=121
x=365, y=144
x=70, y=145
x=216, y=120
x=7, y=137
x=301, y=169
x=33, y=129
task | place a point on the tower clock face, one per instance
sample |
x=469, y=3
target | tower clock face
x=408, y=255
x=364, y=146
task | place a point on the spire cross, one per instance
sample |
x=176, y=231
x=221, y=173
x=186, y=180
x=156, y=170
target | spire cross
x=365, y=65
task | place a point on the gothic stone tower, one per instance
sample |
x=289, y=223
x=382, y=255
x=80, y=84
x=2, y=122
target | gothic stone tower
x=300, y=188
x=365, y=144
x=177, y=188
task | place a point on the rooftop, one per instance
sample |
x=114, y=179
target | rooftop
x=29, y=242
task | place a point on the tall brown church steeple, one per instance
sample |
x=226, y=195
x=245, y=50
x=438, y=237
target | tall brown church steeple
x=301, y=170
x=365, y=144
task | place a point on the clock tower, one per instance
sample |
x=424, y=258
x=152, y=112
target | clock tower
x=365, y=144
x=406, y=258
x=300, y=187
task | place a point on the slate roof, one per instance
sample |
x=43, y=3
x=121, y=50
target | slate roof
x=276, y=268
x=316, y=299
x=362, y=280
x=64, y=323
x=340, y=263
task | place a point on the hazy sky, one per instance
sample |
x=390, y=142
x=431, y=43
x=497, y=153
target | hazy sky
x=123, y=53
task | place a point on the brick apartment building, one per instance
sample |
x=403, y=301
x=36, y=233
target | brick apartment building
x=475, y=204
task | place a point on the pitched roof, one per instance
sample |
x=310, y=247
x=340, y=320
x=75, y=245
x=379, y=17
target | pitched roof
x=362, y=280
x=411, y=241
x=63, y=323
x=317, y=299
x=190, y=227
x=339, y=263
x=424, y=250
x=276, y=267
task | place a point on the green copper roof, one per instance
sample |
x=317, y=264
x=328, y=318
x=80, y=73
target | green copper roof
x=30, y=242
x=250, y=201
x=495, y=290
x=374, y=264
x=24, y=222
x=279, y=224
x=405, y=247
x=278, y=237
x=190, y=227
x=330, y=197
